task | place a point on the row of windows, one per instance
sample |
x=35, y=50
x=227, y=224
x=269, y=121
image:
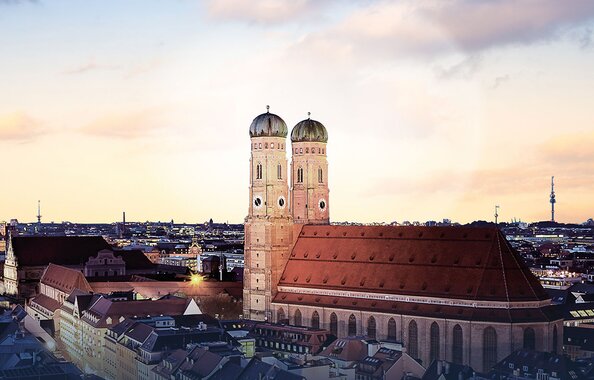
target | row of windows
x=300, y=175
x=259, y=146
x=279, y=173
x=313, y=150
x=489, y=336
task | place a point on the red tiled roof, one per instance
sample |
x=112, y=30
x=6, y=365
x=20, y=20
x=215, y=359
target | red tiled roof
x=64, y=279
x=46, y=302
x=61, y=250
x=71, y=250
x=349, y=349
x=447, y=262
x=104, y=308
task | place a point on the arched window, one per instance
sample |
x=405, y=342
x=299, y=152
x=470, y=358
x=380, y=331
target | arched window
x=280, y=315
x=334, y=324
x=298, y=318
x=315, y=320
x=489, y=348
x=529, y=339
x=391, y=329
x=555, y=342
x=457, y=345
x=279, y=171
x=371, y=328
x=352, y=325
x=413, y=340
x=320, y=175
x=300, y=175
x=434, y=342
x=259, y=171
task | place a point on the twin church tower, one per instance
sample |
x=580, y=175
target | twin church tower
x=277, y=210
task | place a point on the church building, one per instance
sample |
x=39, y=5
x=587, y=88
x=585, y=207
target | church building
x=459, y=294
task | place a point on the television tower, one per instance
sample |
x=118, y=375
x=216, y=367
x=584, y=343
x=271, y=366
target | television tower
x=552, y=200
x=38, y=212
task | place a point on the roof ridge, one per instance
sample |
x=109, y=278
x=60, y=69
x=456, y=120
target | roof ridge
x=523, y=274
x=497, y=234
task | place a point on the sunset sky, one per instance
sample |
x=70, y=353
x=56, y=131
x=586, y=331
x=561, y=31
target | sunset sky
x=434, y=109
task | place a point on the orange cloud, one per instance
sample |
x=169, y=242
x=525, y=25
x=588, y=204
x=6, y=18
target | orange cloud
x=130, y=125
x=19, y=126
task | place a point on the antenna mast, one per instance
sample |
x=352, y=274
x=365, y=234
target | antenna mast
x=553, y=200
x=496, y=214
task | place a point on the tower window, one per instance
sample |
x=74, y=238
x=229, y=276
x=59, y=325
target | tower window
x=320, y=175
x=279, y=171
x=260, y=146
x=259, y=171
x=300, y=150
x=296, y=150
x=306, y=150
x=300, y=175
x=271, y=145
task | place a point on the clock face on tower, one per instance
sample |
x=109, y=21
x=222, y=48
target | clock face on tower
x=322, y=204
x=257, y=201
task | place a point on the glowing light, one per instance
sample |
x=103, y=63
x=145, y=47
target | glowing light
x=195, y=279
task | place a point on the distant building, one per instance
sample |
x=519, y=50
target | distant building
x=526, y=364
x=28, y=256
x=105, y=264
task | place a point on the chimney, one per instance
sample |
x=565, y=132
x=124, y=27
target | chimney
x=447, y=368
x=439, y=367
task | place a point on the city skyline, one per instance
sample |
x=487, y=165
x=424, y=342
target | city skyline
x=146, y=109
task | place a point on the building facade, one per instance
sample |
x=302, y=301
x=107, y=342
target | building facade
x=444, y=293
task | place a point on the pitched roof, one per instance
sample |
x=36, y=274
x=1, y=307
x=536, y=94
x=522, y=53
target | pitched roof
x=135, y=259
x=64, y=279
x=467, y=263
x=348, y=349
x=62, y=250
x=139, y=332
x=104, y=308
x=256, y=370
x=71, y=250
x=537, y=361
x=46, y=302
x=448, y=371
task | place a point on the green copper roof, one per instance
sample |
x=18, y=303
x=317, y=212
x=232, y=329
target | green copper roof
x=268, y=125
x=309, y=130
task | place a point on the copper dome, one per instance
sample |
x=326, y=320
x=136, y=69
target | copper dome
x=309, y=130
x=268, y=125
